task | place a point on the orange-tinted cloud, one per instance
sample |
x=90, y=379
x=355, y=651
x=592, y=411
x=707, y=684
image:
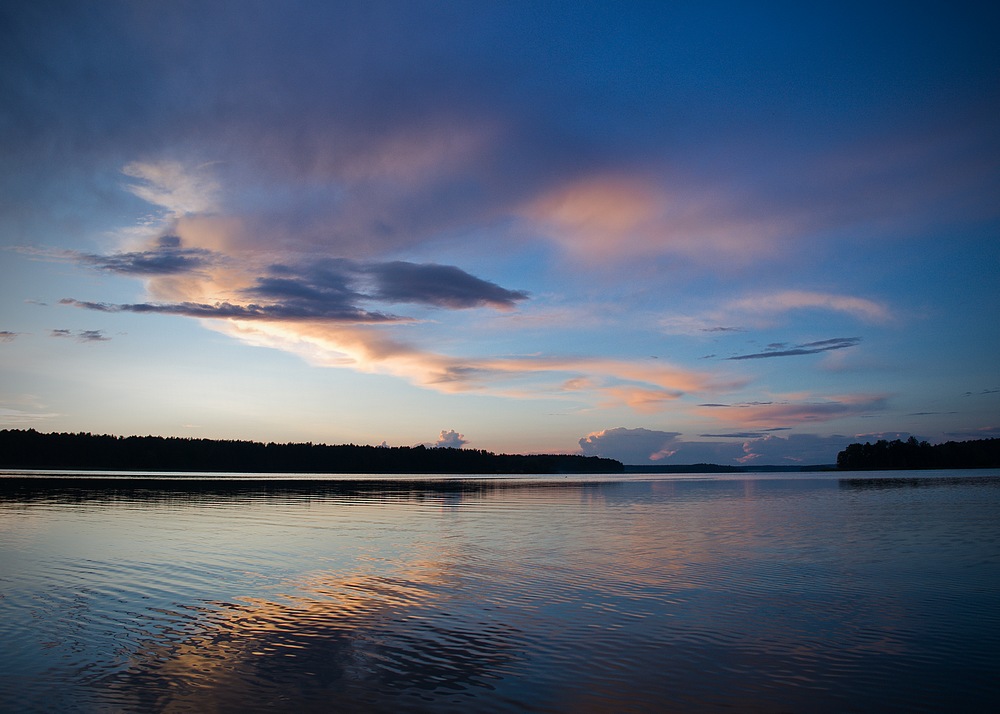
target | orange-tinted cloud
x=622, y=217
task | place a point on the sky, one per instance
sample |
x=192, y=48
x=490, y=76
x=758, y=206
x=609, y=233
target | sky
x=666, y=233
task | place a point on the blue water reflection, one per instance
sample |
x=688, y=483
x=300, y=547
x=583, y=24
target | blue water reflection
x=542, y=595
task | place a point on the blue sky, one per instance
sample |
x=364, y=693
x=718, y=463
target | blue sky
x=660, y=232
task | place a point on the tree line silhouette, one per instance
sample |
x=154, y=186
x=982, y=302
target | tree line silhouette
x=29, y=449
x=911, y=454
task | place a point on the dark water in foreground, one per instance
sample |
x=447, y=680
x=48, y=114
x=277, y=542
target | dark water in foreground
x=770, y=593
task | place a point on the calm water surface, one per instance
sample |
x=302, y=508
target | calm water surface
x=773, y=593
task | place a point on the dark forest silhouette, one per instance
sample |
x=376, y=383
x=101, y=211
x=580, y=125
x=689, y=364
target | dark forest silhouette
x=911, y=454
x=29, y=449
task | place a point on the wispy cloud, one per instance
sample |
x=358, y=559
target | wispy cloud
x=370, y=348
x=994, y=390
x=983, y=432
x=7, y=336
x=770, y=304
x=809, y=348
x=624, y=216
x=81, y=335
x=17, y=417
x=765, y=310
x=796, y=410
x=173, y=185
x=230, y=311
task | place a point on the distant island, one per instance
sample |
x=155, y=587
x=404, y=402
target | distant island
x=29, y=449
x=913, y=454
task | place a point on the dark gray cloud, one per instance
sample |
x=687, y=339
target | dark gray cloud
x=439, y=285
x=167, y=258
x=7, y=336
x=81, y=335
x=224, y=310
x=995, y=390
x=777, y=349
x=329, y=290
x=741, y=404
x=321, y=291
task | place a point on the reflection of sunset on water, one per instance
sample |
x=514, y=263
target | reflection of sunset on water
x=341, y=639
x=548, y=594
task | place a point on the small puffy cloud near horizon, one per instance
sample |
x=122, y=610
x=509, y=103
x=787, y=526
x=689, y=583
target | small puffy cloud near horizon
x=450, y=439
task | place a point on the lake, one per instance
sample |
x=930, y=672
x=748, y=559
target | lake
x=829, y=592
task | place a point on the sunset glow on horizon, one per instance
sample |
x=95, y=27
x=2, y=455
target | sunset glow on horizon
x=661, y=233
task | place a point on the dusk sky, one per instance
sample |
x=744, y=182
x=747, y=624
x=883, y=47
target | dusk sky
x=662, y=232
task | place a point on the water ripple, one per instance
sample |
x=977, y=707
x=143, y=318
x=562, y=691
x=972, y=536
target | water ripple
x=630, y=597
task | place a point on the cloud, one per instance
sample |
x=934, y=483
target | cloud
x=983, y=432
x=373, y=348
x=7, y=336
x=82, y=335
x=291, y=311
x=994, y=390
x=167, y=258
x=173, y=185
x=20, y=416
x=796, y=448
x=809, y=348
x=629, y=446
x=796, y=410
x=316, y=306
x=623, y=216
x=764, y=310
x=327, y=288
x=440, y=285
x=647, y=446
x=768, y=304
x=642, y=399
x=451, y=440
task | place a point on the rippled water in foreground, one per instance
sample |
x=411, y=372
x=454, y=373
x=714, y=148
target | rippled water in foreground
x=781, y=594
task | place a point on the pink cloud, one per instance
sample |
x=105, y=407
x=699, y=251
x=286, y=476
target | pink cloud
x=777, y=303
x=641, y=399
x=763, y=310
x=623, y=217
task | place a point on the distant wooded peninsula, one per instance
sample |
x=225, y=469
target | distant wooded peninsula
x=29, y=449
x=913, y=454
